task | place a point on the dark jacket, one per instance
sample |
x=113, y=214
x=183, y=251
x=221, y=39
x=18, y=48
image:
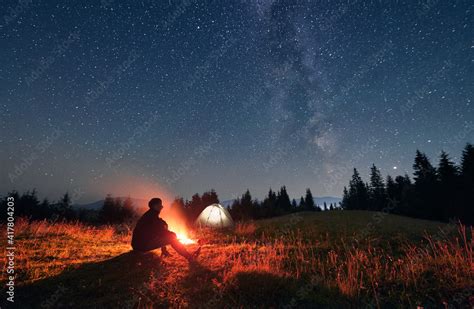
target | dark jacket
x=150, y=227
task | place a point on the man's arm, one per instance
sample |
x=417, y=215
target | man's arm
x=159, y=225
x=164, y=224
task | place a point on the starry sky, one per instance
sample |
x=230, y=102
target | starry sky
x=182, y=96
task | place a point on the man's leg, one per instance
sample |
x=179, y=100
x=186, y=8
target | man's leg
x=179, y=247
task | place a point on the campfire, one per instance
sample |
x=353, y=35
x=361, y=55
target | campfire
x=176, y=223
x=184, y=239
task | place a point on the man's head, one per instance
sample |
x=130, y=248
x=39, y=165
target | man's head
x=155, y=204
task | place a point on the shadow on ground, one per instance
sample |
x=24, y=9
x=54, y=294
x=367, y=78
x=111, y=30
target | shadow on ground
x=135, y=280
x=117, y=282
x=130, y=280
x=255, y=289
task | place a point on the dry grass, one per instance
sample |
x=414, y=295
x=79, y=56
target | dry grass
x=255, y=265
x=45, y=249
x=245, y=228
x=433, y=272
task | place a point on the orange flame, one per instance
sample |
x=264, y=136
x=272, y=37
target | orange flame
x=185, y=240
x=177, y=223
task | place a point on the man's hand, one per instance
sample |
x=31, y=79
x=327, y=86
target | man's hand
x=164, y=252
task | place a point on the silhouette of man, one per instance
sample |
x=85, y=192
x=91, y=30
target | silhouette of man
x=151, y=232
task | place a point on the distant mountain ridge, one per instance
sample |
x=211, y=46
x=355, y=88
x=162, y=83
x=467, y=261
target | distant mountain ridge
x=328, y=199
x=137, y=203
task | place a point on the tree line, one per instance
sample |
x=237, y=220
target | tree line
x=113, y=211
x=247, y=208
x=438, y=193
x=275, y=203
x=442, y=193
x=28, y=205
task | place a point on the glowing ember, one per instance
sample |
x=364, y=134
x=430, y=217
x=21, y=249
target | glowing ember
x=185, y=240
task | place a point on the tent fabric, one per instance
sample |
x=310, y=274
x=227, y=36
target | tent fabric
x=214, y=216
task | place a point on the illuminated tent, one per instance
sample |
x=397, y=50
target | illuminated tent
x=214, y=216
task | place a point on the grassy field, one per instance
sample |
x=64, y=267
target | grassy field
x=329, y=259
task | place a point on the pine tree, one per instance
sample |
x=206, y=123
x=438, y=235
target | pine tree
x=346, y=199
x=309, y=201
x=467, y=163
x=403, y=196
x=447, y=170
x=391, y=193
x=27, y=205
x=358, y=196
x=64, y=208
x=236, y=210
x=195, y=207
x=302, y=205
x=426, y=204
x=108, y=212
x=247, y=206
x=208, y=198
x=448, y=189
x=46, y=210
x=377, y=194
x=424, y=172
x=283, y=203
x=269, y=204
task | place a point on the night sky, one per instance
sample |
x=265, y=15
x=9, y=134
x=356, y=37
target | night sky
x=185, y=96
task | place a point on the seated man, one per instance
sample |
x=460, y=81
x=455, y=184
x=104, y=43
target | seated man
x=151, y=232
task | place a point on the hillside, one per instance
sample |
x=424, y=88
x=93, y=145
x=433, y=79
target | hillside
x=329, y=259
